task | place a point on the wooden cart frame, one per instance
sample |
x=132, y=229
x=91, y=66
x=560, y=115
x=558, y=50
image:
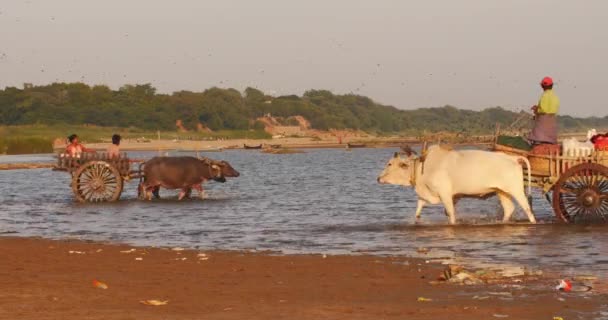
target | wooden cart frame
x=576, y=187
x=96, y=177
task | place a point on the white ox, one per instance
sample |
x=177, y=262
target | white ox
x=443, y=176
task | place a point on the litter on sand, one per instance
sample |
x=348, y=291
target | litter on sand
x=75, y=252
x=558, y=318
x=139, y=258
x=423, y=299
x=99, y=284
x=178, y=249
x=422, y=250
x=498, y=315
x=128, y=251
x=154, y=302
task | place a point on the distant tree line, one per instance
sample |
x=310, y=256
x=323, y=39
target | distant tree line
x=140, y=106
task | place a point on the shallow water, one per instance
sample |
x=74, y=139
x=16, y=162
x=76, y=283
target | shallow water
x=321, y=201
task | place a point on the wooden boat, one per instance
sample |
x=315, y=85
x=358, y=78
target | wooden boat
x=252, y=147
x=355, y=145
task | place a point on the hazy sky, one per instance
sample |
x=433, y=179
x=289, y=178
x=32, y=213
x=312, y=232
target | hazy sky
x=468, y=53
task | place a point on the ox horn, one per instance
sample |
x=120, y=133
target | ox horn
x=407, y=150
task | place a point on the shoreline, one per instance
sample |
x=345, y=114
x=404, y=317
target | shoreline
x=53, y=279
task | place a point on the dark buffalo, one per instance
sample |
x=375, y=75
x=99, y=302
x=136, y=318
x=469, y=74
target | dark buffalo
x=185, y=173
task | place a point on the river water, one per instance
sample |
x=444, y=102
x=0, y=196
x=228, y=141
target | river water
x=321, y=201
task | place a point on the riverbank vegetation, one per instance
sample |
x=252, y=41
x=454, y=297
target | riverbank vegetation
x=228, y=113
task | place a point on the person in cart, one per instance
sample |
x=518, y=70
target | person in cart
x=75, y=148
x=114, y=149
x=545, y=115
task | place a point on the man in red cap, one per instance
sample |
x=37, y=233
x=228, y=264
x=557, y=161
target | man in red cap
x=545, y=115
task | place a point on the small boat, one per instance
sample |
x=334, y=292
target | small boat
x=355, y=145
x=252, y=147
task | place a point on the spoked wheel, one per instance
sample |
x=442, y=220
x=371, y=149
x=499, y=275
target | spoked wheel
x=97, y=181
x=581, y=194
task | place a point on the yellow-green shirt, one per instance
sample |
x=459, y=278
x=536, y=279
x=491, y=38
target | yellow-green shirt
x=548, y=103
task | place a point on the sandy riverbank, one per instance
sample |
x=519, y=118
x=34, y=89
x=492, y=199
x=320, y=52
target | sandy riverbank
x=26, y=165
x=292, y=143
x=44, y=279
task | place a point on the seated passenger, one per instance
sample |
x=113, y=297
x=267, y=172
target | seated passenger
x=74, y=149
x=114, y=149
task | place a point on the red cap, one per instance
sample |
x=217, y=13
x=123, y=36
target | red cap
x=547, y=81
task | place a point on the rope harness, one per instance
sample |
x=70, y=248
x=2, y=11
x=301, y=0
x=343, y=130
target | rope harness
x=210, y=165
x=415, y=161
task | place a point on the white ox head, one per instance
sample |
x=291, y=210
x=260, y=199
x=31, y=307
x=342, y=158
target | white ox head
x=398, y=169
x=591, y=133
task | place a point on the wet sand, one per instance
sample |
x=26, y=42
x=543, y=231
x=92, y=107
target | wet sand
x=44, y=279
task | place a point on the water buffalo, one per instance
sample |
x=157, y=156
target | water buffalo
x=185, y=173
x=442, y=176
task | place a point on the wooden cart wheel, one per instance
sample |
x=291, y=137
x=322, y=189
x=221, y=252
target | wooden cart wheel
x=97, y=181
x=581, y=194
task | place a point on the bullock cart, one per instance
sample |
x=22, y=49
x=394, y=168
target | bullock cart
x=96, y=177
x=576, y=187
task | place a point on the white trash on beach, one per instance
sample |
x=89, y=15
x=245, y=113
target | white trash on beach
x=154, y=302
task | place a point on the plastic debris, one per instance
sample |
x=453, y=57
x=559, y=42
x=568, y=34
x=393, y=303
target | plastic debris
x=75, y=252
x=139, y=258
x=324, y=256
x=99, y=284
x=128, y=251
x=564, y=285
x=498, y=315
x=154, y=302
x=558, y=318
x=178, y=249
x=480, y=297
x=423, y=299
x=423, y=250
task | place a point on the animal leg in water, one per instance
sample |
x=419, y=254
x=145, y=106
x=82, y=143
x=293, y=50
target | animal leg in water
x=182, y=194
x=507, y=205
x=448, y=202
x=156, y=192
x=454, y=201
x=199, y=188
x=419, y=207
x=522, y=200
